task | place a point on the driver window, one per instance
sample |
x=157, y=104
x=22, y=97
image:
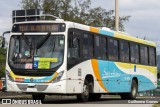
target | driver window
x=74, y=47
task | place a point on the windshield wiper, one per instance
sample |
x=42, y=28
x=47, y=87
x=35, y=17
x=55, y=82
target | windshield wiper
x=29, y=44
x=53, y=48
x=43, y=41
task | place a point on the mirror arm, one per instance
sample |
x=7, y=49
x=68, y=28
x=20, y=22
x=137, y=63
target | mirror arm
x=6, y=33
x=3, y=40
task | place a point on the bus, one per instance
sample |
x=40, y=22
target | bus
x=57, y=57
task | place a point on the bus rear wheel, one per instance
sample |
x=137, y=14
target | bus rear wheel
x=134, y=90
x=38, y=97
x=84, y=96
x=133, y=93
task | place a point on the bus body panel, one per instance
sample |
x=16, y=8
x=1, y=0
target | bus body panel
x=108, y=76
x=114, y=77
x=50, y=88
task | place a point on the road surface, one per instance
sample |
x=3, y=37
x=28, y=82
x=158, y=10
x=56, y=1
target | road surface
x=72, y=100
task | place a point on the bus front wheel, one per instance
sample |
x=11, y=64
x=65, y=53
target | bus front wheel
x=84, y=96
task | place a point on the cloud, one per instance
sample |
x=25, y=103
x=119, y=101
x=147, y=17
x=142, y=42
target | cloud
x=6, y=13
x=144, y=21
x=144, y=14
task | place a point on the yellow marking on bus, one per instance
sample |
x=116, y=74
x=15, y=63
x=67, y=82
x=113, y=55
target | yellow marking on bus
x=17, y=76
x=48, y=59
x=151, y=69
x=54, y=76
x=43, y=65
x=93, y=29
x=123, y=65
x=134, y=39
x=97, y=73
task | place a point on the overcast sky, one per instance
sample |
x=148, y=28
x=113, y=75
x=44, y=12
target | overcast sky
x=144, y=21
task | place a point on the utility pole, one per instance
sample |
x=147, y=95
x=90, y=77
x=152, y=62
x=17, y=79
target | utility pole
x=116, y=16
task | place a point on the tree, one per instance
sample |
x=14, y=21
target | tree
x=79, y=11
x=2, y=61
x=31, y=4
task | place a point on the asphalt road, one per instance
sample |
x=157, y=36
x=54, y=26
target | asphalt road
x=103, y=100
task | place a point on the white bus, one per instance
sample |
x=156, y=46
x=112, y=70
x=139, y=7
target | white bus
x=66, y=58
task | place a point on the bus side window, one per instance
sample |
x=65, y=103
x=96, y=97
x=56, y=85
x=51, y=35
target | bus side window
x=134, y=53
x=73, y=55
x=113, y=50
x=74, y=47
x=124, y=51
x=144, y=55
x=152, y=56
x=88, y=46
x=100, y=50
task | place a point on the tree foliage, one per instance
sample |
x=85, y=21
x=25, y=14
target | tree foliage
x=2, y=61
x=79, y=11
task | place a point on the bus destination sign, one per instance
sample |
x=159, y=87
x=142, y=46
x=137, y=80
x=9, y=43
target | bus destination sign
x=45, y=27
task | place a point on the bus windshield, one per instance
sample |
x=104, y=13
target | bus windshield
x=36, y=52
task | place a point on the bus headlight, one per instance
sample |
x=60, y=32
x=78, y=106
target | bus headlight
x=59, y=76
x=9, y=76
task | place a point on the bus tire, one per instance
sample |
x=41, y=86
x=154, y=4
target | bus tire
x=38, y=97
x=133, y=93
x=84, y=96
x=134, y=90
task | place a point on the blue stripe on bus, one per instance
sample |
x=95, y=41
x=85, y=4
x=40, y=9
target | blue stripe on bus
x=106, y=33
x=40, y=80
x=114, y=79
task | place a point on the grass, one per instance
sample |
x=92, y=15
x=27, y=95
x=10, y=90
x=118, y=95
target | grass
x=156, y=105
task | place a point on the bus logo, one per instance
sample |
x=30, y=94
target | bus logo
x=31, y=79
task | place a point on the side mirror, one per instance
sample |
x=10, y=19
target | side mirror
x=3, y=42
x=2, y=39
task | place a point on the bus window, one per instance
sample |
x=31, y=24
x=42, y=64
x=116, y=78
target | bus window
x=152, y=56
x=29, y=49
x=100, y=47
x=124, y=51
x=134, y=53
x=103, y=47
x=88, y=46
x=144, y=55
x=113, y=49
x=73, y=50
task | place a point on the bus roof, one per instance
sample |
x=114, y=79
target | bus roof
x=103, y=30
x=120, y=35
x=111, y=33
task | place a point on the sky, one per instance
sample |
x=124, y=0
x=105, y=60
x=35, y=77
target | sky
x=144, y=20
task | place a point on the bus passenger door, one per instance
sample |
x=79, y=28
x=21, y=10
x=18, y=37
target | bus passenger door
x=74, y=72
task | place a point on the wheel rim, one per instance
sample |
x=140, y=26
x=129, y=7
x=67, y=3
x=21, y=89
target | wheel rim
x=134, y=91
x=85, y=91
